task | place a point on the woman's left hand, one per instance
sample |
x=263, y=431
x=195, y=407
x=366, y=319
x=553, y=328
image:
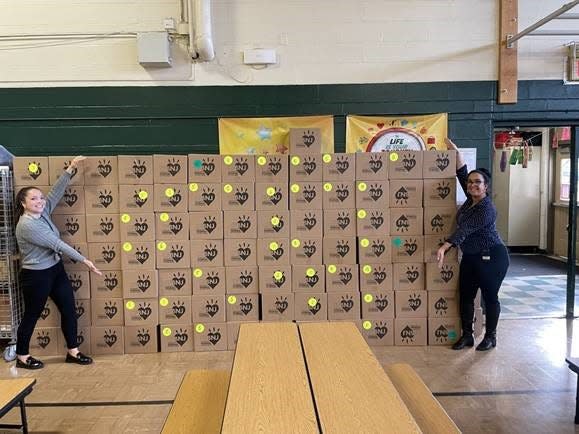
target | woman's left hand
x=440, y=255
x=74, y=163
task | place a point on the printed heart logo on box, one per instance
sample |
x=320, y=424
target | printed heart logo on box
x=446, y=273
x=104, y=168
x=244, y=251
x=442, y=161
x=176, y=198
x=241, y=165
x=407, y=334
x=410, y=247
x=214, y=335
x=243, y=223
x=402, y=224
x=110, y=309
x=143, y=282
x=245, y=305
x=177, y=253
x=310, y=221
x=280, y=224
x=309, y=165
x=308, y=138
x=274, y=165
x=437, y=223
x=375, y=192
x=379, y=275
x=408, y=162
x=414, y=301
x=143, y=336
x=43, y=339
x=74, y=171
x=276, y=197
x=401, y=196
x=70, y=197
x=178, y=280
x=141, y=226
x=277, y=253
x=378, y=247
x=279, y=282
x=412, y=274
x=281, y=304
x=139, y=168
x=345, y=275
x=315, y=308
x=380, y=329
x=375, y=163
x=441, y=306
x=173, y=166
x=106, y=225
x=178, y=309
x=111, y=281
x=139, y=198
x=443, y=189
x=376, y=219
x=142, y=255
x=342, y=164
x=342, y=192
x=34, y=175
x=381, y=302
x=181, y=337
x=208, y=195
x=343, y=220
x=246, y=278
x=208, y=166
x=210, y=251
x=342, y=248
x=176, y=225
x=110, y=337
x=309, y=193
x=105, y=198
x=108, y=253
x=72, y=225
x=241, y=195
x=212, y=279
x=75, y=281
x=309, y=248
x=312, y=280
x=441, y=334
x=79, y=310
x=346, y=303
x=145, y=310
x=212, y=308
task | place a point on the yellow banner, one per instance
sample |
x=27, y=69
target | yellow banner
x=269, y=135
x=384, y=133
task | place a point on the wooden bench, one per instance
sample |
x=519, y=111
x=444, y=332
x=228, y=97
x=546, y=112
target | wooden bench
x=199, y=405
x=351, y=390
x=12, y=393
x=427, y=411
x=269, y=390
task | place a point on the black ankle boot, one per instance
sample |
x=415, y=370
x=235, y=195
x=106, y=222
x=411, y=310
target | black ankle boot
x=465, y=340
x=488, y=342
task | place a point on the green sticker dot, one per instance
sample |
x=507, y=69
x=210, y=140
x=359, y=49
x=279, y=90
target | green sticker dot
x=397, y=241
x=197, y=164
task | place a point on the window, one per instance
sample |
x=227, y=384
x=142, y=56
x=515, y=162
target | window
x=565, y=179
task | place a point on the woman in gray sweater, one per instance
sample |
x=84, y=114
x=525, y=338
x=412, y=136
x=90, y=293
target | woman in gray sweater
x=42, y=273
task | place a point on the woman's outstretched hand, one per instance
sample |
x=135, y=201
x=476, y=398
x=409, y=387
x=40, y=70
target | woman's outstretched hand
x=92, y=267
x=74, y=163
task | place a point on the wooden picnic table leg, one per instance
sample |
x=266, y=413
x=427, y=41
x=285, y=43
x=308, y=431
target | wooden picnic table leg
x=23, y=416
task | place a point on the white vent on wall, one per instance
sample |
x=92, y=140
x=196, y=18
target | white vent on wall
x=154, y=49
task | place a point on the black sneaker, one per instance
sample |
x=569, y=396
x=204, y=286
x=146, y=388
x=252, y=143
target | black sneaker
x=30, y=363
x=80, y=359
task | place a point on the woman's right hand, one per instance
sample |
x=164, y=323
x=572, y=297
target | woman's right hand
x=450, y=144
x=74, y=163
x=92, y=267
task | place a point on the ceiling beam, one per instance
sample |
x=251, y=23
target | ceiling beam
x=508, y=68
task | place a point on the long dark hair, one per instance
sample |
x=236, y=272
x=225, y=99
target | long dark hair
x=20, y=197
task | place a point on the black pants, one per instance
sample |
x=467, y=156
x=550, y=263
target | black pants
x=37, y=286
x=488, y=275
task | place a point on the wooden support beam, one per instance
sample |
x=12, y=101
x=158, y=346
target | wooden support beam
x=508, y=64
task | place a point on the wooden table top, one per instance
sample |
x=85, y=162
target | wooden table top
x=10, y=389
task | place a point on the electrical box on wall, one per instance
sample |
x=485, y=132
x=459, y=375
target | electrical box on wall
x=154, y=49
x=259, y=56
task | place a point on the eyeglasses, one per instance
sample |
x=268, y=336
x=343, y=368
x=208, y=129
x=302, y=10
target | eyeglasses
x=475, y=182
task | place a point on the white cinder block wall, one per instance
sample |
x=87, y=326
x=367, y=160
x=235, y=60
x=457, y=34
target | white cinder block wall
x=317, y=41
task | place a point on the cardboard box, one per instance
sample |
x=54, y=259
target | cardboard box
x=101, y=171
x=277, y=279
x=233, y=334
x=141, y=311
x=137, y=227
x=71, y=264
x=306, y=251
x=409, y=277
x=170, y=169
x=307, y=223
x=82, y=341
x=374, y=250
x=72, y=201
x=102, y=228
x=204, y=168
x=439, y=220
x=306, y=195
x=277, y=306
x=140, y=339
x=408, y=248
x=176, y=338
x=377, y=332
x=272, y=168
x=339, y=195
x=210, y=337
x=439, y=164
x=30, y=171
x=173, y=254
x=443, y=331
x=175, y=282
x=238, y=196
x=175, y=310
x=340, y=223
x=107, y=311
x=57, y=165
x=239, y=252
x=170, y=198
x=410, y=331
x=240, y=224
x=242, y=280
x=107, y=340
x=243, y=307
x=272, y=251
x=405, y=165
x=342, y=278
x=343, y=305
x=207, y=225
x=431, y=245
x=80, y=282
x=136, y=198
x=204, y=196
x=374, y=222
x=372, y=166
x=443, y=304
x=207, y=253
x=140, y=284
x=135, y=169
x=72, y=228
x=308, y=278
x=101, y=199
x=406, y=221
x=109, y=285
x=311, y=306
x=209, y=280
x=377, y=304
x=442, y=279
x=50, y=316
x=305, y=141
x=339, y=167
x=138, y=255
x=235, y=168
x=208, y=308
x=273, y=224
x=411, y=304
x=271, y=196
x=440, y=192
x=82, y=311
x=44, y=341
x=339, y=250
x=372, y=194
x=305, y=168
x=375, y=277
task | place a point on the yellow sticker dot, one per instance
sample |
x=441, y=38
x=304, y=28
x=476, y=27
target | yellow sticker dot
x=275, y=221
x=193, y=187
x=127, y=247
x=393, y=156
x=367, y=325
x=362, y=214
x=273, y=245
x=164, y=217
x=227, y=188
x=169, y=192
x=232, y=299
x=261, y=161
x=312, y=302
x=130, y=304
x=332, y=269
x=362, y=186
x=328, y=186
x=125, y=218
x=270, y=191
x=364, y=242
x=163, y=302
x=162, y=246
x=310, y=272
x=327, y=158
x=295, y=188
x=167, y=331
x=278, y=275
x=228, y=160
x=33, y=167
x=295, y=160
x=296, y=243
x=368, y=298
x=143, y=195
x=367, y=269
x=198, y=272
x=199, y=328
